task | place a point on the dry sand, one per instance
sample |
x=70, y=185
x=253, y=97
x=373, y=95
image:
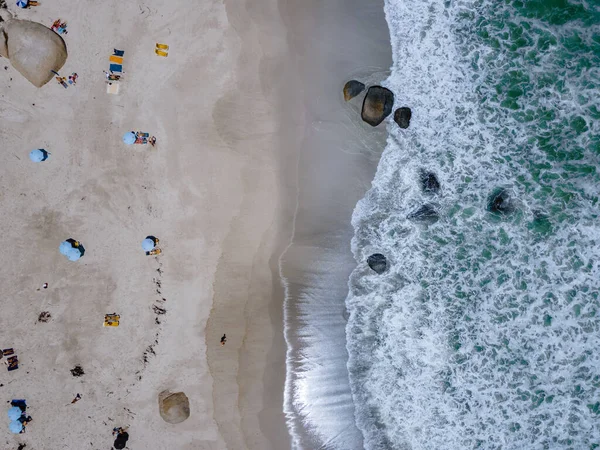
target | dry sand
x=209, y=191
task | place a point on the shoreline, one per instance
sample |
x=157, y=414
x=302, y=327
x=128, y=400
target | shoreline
x=338, y=156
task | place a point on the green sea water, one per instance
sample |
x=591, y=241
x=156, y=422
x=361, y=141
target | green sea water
x=485, y=331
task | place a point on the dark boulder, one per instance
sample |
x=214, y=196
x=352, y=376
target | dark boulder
x=402, y=117
x=377, y=262
x=429, y=182
x=499, y=202
x=352, y=88
x=425, y=214
x=377, y=105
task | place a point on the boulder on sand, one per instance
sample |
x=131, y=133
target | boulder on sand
x=174, y=407
x=402, y=116
x=33, y=49
x=377, y=262
x=377, y=105
x=352, y=88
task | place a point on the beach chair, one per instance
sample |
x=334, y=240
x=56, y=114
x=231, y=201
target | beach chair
x=118, y=52
x=111, y=320
x=116, y=68
x=13, y=363
x=160, y=53
x=8, y=352
x=116, y=59
x=112, y=88
x=162, y=46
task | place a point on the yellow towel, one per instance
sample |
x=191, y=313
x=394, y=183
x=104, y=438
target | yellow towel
x=161, y=53
x=111, y=320
x=116, y=59
x=162, y=46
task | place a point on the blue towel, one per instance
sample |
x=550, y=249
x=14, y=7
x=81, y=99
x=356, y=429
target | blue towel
x=116, y=68
x=119, y=52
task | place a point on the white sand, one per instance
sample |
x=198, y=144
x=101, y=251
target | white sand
x=209, y=191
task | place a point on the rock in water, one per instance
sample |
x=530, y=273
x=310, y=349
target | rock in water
x=499, y=202
x=352, y=88
x=402, y=117
x=425, y=214
x=34, y=50
x=174, y=407
x=377, y=105
x=377, y=262
x=429, y=182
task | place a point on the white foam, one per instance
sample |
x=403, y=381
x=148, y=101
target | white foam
x=454, y=345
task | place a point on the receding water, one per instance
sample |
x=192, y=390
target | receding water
x=485, y=330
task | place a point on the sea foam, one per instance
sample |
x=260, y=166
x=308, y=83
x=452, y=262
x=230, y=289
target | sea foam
x=483, y=332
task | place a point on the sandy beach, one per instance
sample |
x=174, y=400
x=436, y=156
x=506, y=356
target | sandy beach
x=208, y=191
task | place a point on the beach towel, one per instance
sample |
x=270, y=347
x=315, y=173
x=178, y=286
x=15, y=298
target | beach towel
x=162, y=46
x=13, y=363
x=8, y=352
x=116, y=59
x=116, y=68
x=119, y=52
x=112, y=88
x=161, y=53
x=111, y=320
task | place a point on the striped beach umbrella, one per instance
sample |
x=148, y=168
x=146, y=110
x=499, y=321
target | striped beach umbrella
x=22, y=3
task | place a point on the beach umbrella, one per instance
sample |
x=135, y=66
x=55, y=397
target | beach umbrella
x=73, y=254
x=64, y=247
x=22, y=3
x=14, y=413
x=15, y=427
x=129, y=138
x=147, y=244
x=37, y=155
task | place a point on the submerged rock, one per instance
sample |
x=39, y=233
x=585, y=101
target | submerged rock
x=499, y=202
x=352, y=88
x=429, y=182
x=377, y=262
x=174, y=407
x=377, y=105
x=402, y=116
x=33, y=49
x=425, y=214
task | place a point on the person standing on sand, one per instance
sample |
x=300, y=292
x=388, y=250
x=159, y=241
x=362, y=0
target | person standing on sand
x=223, y=339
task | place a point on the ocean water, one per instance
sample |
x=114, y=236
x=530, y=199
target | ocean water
x=484, y=332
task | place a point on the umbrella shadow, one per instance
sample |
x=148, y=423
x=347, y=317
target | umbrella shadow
x=78, y=245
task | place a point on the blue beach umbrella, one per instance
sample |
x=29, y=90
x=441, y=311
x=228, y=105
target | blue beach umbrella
x=22, y=3
x=15, y=427
x=64, y=247
x=129, y=138
x=38, y=155
x=147, y=245
x=73, y=254
x=14, y=413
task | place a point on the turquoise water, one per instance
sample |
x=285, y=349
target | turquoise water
x=484, y=332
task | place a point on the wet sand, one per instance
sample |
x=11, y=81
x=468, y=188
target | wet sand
x=255, y=148
x=332, y=42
